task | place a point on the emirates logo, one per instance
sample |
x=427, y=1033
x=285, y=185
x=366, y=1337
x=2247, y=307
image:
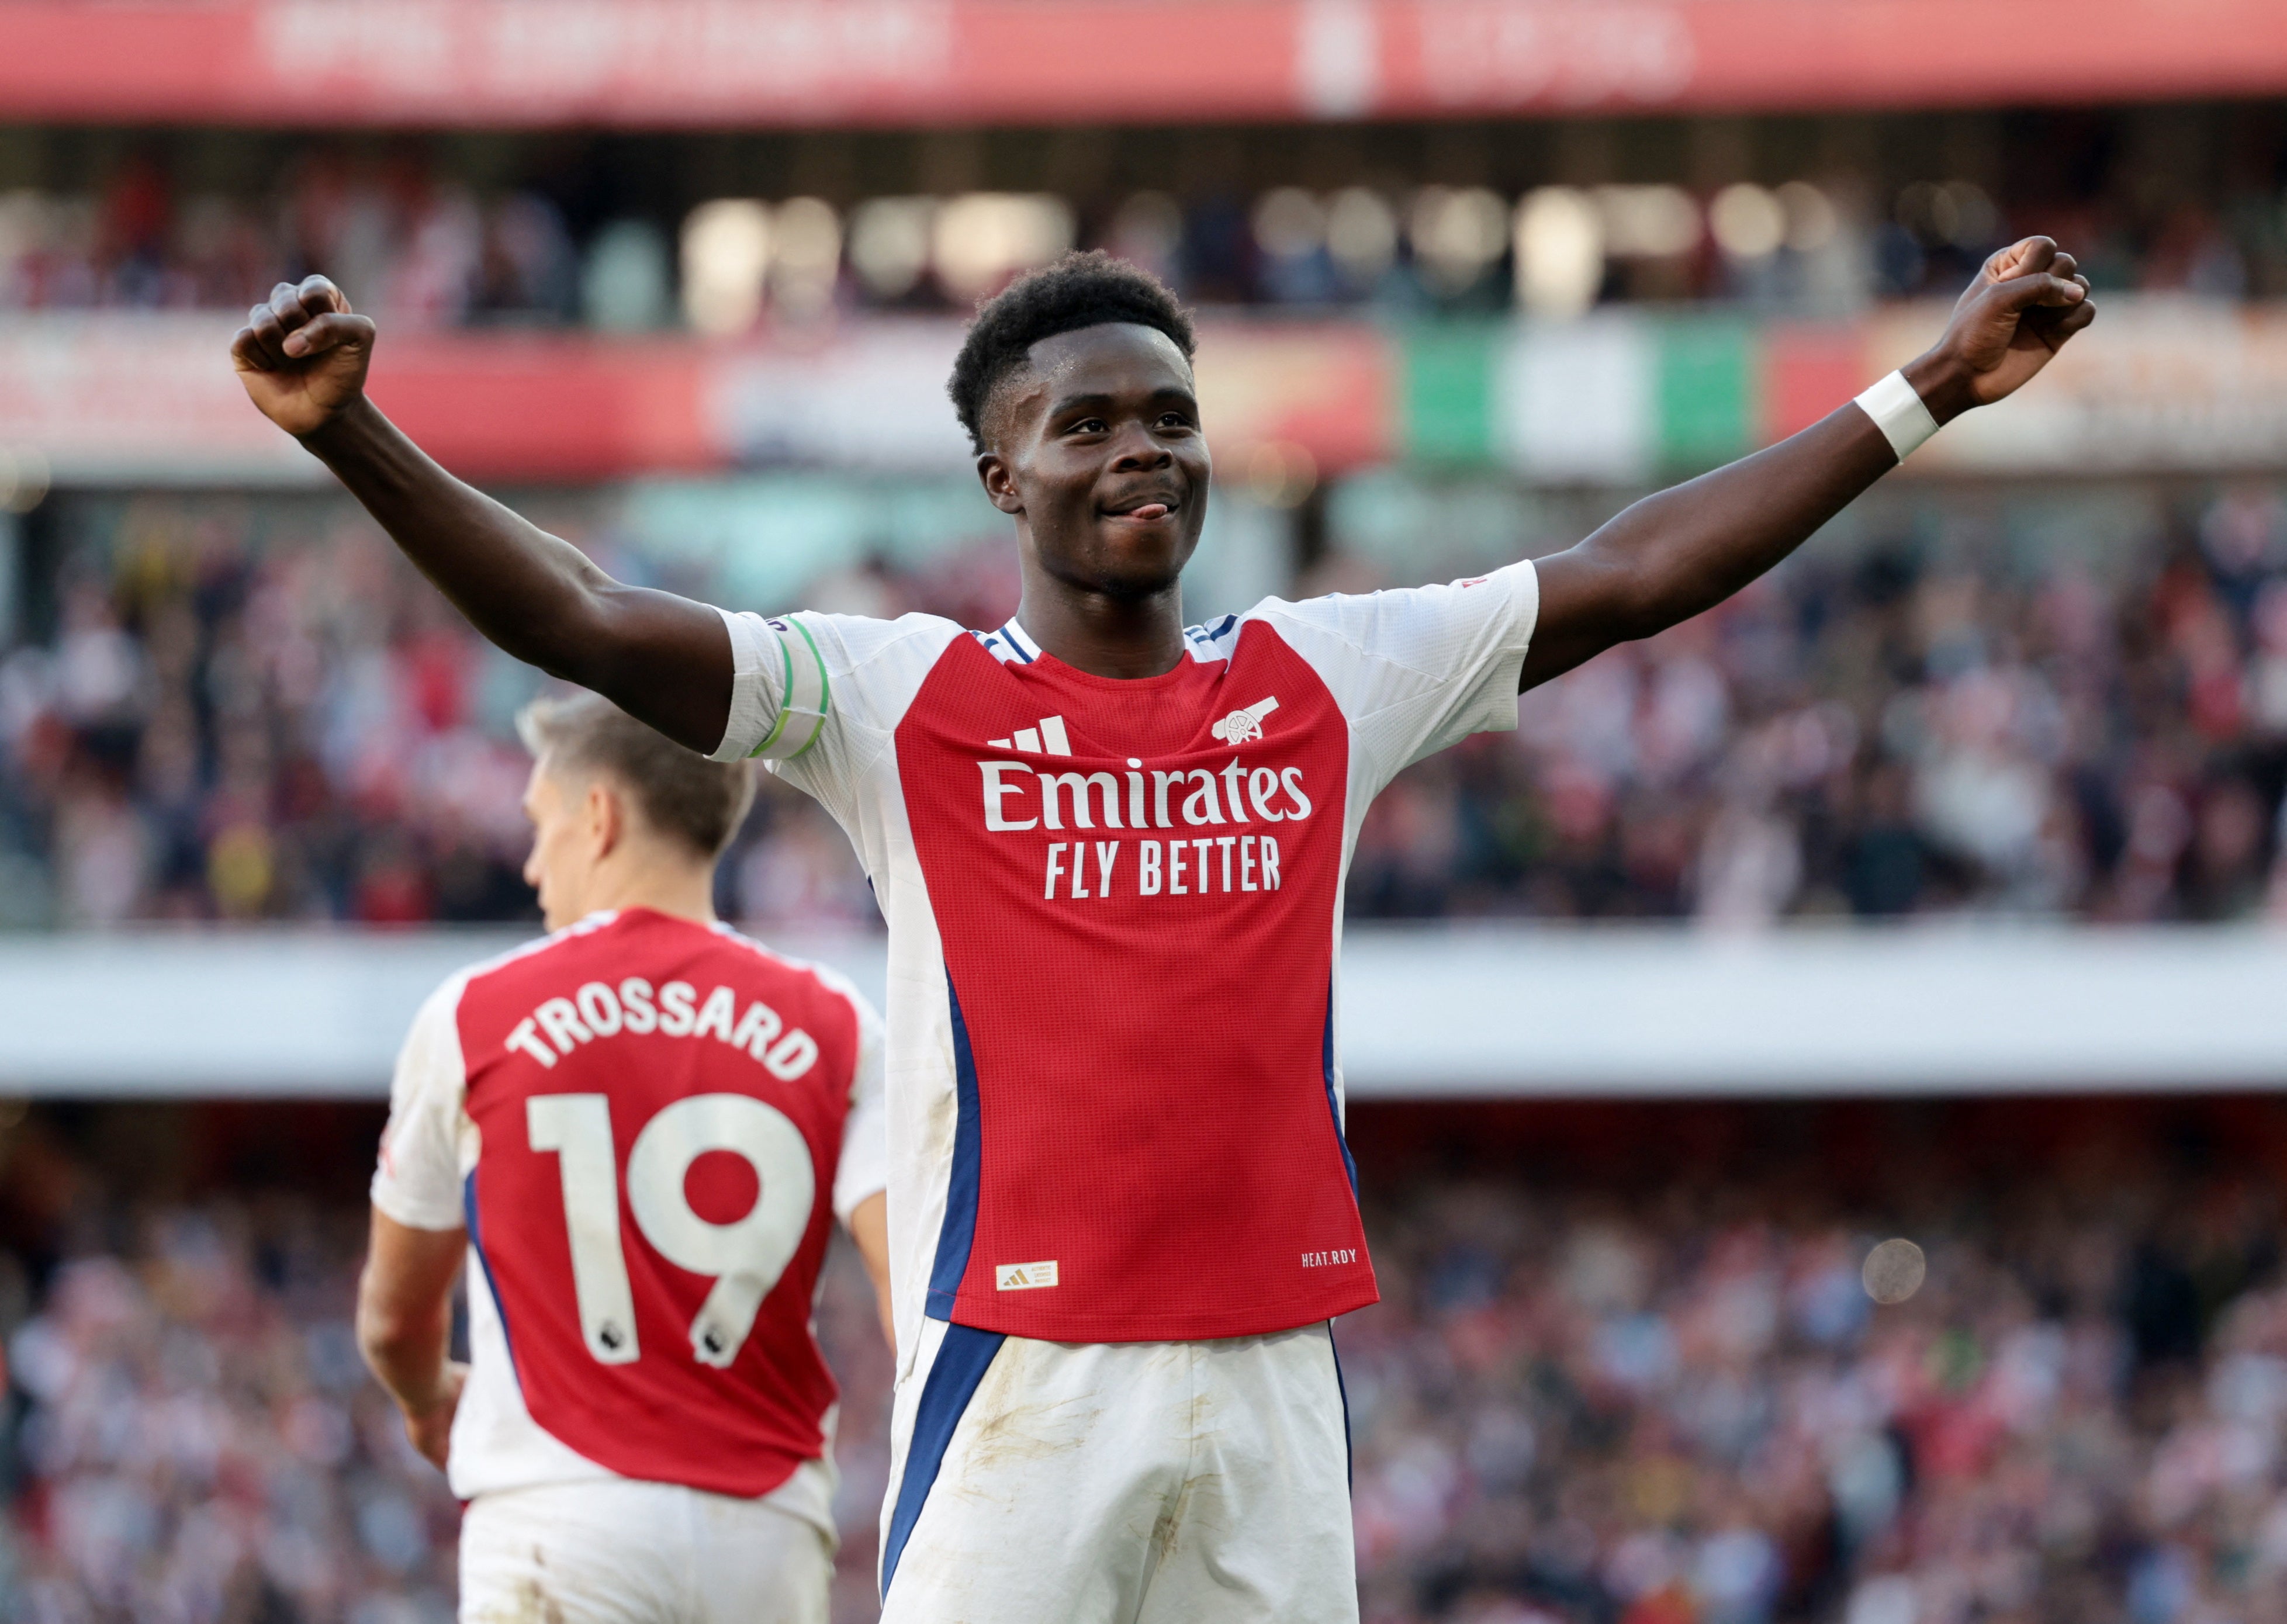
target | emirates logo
x=1243, y=727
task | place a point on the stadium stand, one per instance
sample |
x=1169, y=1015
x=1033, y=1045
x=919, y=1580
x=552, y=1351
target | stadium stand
x=1624, y=1370
x=245, y=717
x=623, y=234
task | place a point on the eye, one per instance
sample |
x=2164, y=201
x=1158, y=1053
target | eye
x=1087, y=425
x=1174, y=420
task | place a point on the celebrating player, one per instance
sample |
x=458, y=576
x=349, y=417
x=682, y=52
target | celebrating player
x=1111, y=849
x=636, y=1129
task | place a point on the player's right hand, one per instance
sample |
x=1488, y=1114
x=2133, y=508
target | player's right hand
x=302, y=356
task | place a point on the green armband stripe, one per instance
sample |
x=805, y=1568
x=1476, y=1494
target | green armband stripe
x=801, y=714
x=785, y=686
x=825, y=692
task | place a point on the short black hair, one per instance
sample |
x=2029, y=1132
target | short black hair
x=1079, y=290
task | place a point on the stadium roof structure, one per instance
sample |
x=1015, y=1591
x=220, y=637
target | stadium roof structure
x=1477, y=1011
x=930, y=63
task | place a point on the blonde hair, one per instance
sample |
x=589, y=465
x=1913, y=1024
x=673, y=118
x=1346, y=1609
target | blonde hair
x=694, y=801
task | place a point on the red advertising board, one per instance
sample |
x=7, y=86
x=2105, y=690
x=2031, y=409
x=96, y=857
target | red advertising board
x=123, y=397
x=781, y=63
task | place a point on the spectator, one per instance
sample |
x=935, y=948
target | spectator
x=298, y=728
x=416, y=243
x=1614, y=1379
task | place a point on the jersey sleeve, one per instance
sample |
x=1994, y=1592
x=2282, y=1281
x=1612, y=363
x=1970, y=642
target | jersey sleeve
x=780, y=691
x=850, y=677
x=418, y=1179
x=864, y=1169
x=1417, y=670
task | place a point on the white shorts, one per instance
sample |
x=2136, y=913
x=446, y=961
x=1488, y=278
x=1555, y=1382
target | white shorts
x=1128, y=1483
x=626, y=1552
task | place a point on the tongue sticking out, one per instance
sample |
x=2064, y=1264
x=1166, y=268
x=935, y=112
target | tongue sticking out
x=1150, y=510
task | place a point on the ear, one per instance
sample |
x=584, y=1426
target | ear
x=1000, y=482
x=607, y=820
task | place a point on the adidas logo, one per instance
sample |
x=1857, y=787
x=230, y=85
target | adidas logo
x=1049, y=739
x=1243, y=727
x=1024, y=1277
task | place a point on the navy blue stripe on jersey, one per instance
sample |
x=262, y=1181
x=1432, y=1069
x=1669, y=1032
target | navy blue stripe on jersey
x=963, y=1358
x=1333, y=1109
x=1020, y=647
x=477, y=1245
x=959, y=1233
x=1009, y=645
x=1204, y=638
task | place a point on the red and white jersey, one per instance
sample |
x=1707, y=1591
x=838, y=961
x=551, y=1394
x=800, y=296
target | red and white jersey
x=646, y=1126
x=1114, y=910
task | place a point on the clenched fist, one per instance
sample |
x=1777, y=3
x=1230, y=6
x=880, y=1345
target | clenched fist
x=2025, y=302
x=302, y=356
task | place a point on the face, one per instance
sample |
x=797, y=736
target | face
x=564, y=849
x=1098, y=454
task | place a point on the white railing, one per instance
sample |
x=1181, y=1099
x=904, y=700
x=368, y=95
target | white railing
x=1426, y=1012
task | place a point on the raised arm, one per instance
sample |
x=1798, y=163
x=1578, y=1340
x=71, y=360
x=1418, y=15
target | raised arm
x=663, y=659
x=1670, y=556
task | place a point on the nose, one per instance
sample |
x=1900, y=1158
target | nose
x=1136, y=451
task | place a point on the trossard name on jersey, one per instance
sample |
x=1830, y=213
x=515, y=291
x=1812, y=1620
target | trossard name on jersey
x=598, y=1009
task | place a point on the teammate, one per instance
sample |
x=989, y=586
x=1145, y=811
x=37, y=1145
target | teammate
x=1110, y=850
x=637, y=1130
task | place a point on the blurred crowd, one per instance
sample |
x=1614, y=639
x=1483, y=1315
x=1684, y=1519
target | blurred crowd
x=253, y=711
x=191, y=1435
x=222, y=732
x=1923, y=728
x=1672, y=1402
x=436, y=236
x=1625, y=1372
x=259, y=711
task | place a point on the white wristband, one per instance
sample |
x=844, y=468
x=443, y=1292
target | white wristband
x=1899, y=413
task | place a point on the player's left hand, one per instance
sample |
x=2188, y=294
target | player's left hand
x=431, y=1429
x=2025, y=302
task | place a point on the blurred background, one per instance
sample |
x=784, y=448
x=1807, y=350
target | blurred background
x=1935, y=886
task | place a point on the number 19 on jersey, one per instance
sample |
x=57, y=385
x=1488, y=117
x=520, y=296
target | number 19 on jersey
x=745, y=1257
